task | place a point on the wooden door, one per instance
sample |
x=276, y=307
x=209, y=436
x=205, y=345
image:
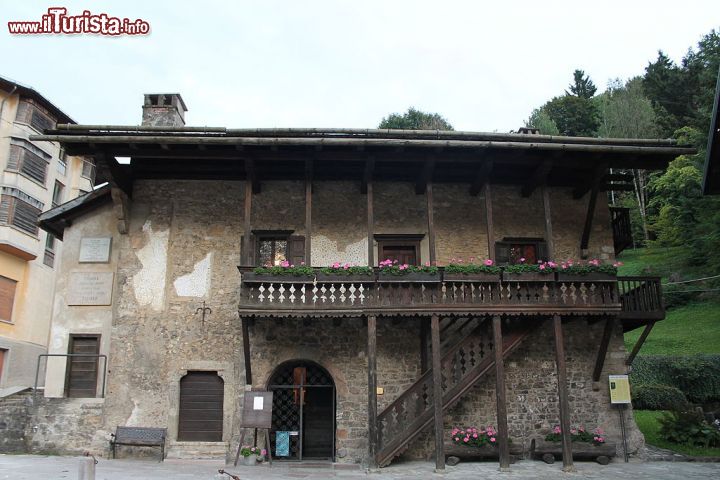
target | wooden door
x=402, y=253
x=82, y=374
x=318, y=423
x=201, y=407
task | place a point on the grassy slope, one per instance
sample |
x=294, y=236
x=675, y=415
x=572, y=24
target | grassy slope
x=647, y=421
x=692, y=328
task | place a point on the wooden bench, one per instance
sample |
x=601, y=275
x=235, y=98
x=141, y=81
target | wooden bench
x=139, y=437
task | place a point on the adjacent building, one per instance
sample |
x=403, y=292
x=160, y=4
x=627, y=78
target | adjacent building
x=156, y=288
x=35, y=176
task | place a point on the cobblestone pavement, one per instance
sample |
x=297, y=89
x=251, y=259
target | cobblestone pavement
x=26, y=467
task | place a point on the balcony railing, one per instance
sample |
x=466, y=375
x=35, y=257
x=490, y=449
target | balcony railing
x=641, y=299
x=622, y=230
x=307, y=296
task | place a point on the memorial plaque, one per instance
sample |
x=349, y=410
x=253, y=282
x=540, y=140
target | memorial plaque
x=95, y=249
x=90, y=288
x=257, y=410
x=619, y=389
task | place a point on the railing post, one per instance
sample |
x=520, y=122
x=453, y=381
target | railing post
x=563, y=395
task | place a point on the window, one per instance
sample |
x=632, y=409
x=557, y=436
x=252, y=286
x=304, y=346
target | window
x=513, y=250
x=34, y=115
x=27, y=159
x=7, y=298
x=57, y=193
x=403, y=248
x=272, y=247
x=49, y=258
x=62, y=162
x=19, y=210
x=88, y=171
x=82, y=371
x=3, y=354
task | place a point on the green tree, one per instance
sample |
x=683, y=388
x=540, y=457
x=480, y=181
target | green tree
x=582, y=86
x=540, y=119
x=574, y=116
x=415, y=119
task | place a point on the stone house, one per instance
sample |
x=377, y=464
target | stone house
x=157, y=281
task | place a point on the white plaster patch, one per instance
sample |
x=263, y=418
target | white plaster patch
x=197, y=282
x=325, y=252
x=149, y=282
x=133, y=418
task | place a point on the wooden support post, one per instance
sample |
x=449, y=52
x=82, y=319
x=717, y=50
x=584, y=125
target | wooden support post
x=247, y=239
x=308, y=212
x=372, y=392
x=602, y=352
x=489, y=220
x=563, y=395
x=548, y=225
x=423, y=345
x=639, y=344
x=431, y=222
x=502, y=426
x=246, y=349
x=370, y=225
x=585, y=240
x=437, y=394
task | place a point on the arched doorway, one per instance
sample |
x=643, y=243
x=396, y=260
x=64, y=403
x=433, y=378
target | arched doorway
x=201, y=407
x=303, y=411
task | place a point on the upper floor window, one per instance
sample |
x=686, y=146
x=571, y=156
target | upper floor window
x=19, y=210
x=49, y=257
x=520, y=250
x=88, y=171
x=272, y=247
x=403, y=248
x=34, y=115
x=27, y=159
x=57, y=194
x=62, y=162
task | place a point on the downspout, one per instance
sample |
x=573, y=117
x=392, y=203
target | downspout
x=2, y=104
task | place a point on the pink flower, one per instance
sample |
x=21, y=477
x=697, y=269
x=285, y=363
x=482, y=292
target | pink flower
x=522, y=260
x=302, y=263
x=472, y=259
x=474, y=435
x=573, y=431
x=457, y=439
x=466, y=439
x=263, y=452
x=542, y=267
x=492, y=439
x=488, y=262
x=285, y=264
x=427, y=264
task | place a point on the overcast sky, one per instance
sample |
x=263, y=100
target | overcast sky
x=482, y=65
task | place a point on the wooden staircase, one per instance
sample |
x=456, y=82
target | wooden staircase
x=462, y=366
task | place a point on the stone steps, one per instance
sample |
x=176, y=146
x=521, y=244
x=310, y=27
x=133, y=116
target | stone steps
x=197, y=450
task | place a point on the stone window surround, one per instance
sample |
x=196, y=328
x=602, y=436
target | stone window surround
x=226, y=371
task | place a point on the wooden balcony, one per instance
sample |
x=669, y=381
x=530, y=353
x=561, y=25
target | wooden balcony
x=622, y=230
x=283, y=296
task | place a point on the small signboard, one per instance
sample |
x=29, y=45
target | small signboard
x=619, y=389
x=257, y=410
x=95, y=249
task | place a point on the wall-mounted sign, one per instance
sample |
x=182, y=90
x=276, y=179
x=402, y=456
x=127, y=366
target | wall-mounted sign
x=95, y=249
x=90, y=288
x=619, y=389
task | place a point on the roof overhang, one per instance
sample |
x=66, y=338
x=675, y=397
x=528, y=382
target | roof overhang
x=55, y=220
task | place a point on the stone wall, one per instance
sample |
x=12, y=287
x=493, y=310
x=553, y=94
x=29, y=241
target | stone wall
x=14, y=416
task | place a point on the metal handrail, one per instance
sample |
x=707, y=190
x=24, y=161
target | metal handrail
x=94, y=355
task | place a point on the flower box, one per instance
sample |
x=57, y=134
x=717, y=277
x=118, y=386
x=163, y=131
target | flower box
x=417, y=277
x=527, y=277
x=548, y=452
x=252, y=277
x=249, y=461
x=588, y=277
x=472, y=277
x=455, y=452
x=340, y=278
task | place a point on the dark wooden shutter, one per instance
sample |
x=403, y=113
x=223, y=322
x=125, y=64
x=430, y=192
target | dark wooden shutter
x=7, y=298
x=253, y=250
x=201, y=407
x=296, y=249
x=502, y=253
x=542, y=251
x=83, y=371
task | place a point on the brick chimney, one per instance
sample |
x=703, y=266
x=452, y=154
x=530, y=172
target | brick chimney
x=164, y=110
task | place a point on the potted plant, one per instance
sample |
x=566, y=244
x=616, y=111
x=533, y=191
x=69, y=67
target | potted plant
x=590, y=271
x=586, y=445
x=472, y=442
x=529, y=272
x=458, y=271
x=345, y=273
x=251, y=455
x=393, y=271
x=285, y=272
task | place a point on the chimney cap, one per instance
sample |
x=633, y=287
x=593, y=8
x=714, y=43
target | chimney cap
x=165, y=99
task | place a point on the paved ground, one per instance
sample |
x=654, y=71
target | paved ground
x=26, y=467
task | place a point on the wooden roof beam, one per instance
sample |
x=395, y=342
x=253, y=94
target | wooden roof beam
x=482, y=177
x=425, y=176
x=595, y=177
x=109, y=168
x=251, y=175
x=538, y=178
x=367, y=175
